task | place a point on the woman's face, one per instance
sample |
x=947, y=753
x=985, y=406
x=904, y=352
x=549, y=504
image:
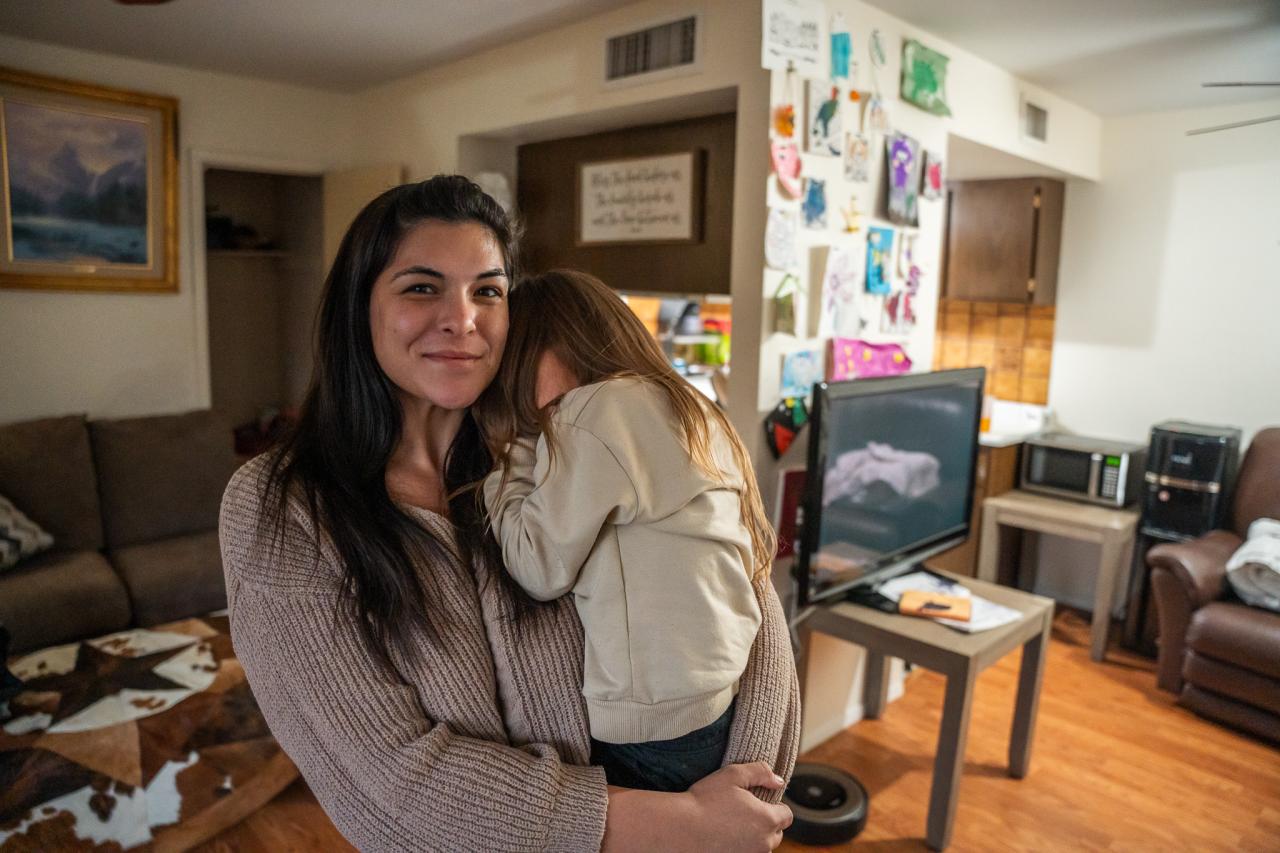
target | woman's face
x=438, y=313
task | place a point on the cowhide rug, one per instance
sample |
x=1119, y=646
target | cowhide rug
x=145, y=739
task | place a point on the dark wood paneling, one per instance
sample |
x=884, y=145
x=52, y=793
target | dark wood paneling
x=991, y=239
x=997, y=240
x=545, y=187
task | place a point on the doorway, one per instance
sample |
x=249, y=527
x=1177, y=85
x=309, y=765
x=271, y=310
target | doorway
x=264, y=269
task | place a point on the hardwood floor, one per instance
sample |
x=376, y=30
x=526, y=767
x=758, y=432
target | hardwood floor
x=1116, y=766
x=291, y=823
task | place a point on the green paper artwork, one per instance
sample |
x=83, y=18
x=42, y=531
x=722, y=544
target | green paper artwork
x=924, y=78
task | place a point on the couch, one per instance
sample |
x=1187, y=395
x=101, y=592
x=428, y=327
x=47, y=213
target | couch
x=132, y=505
x=147, y=738
x=1221, y=656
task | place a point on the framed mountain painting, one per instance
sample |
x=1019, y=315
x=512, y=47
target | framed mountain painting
x=89, y=186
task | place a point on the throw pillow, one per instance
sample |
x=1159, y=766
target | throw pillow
x=20, y=537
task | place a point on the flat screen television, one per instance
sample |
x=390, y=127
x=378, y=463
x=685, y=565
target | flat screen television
x=890, y=483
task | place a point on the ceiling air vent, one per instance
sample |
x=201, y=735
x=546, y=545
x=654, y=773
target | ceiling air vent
x=1035, y=121
x=644, y=51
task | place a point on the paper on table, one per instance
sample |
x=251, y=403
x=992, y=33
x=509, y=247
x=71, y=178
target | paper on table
x=923, y=581
x=984, y=616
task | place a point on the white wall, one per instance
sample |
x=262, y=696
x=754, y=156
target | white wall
x=1169, y=289
x=1168, y=294
x=985, y=102
x=552, y=85
x=441, y=120
x=126, y=354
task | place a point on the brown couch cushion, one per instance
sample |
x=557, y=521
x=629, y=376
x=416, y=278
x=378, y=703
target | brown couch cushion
x=1248, y=637
x=46, y=469
x=1243, y=716
x=161, y=476
x=1258, y=489
x=61, y=596
x=173, y=578
x=1232, y=681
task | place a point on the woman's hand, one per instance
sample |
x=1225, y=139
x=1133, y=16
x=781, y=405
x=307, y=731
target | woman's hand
x=718, y=813
x=732, y=817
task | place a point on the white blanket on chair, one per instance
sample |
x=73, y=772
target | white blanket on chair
x=1254, y=569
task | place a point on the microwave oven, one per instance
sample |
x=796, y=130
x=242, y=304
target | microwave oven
x=1085, y=469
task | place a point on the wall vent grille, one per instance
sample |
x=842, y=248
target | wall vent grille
x=664, y=46
x=1035, y=122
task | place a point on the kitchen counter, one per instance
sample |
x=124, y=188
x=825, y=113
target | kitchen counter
x=999, y=439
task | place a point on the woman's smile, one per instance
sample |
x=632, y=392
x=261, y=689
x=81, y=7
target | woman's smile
x=456, y=356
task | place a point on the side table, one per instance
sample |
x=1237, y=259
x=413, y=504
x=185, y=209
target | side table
x=960, y=657
x=1112, y=529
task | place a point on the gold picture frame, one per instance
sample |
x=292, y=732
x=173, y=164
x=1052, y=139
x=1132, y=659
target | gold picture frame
x=88, y=186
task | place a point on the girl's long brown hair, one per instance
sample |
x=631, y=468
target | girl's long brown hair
x=593, y=332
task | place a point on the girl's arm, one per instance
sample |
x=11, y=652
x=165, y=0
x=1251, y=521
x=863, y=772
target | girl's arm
x=548, y=527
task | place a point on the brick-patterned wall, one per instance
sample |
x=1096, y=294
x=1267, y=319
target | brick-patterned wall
x=1013, y=342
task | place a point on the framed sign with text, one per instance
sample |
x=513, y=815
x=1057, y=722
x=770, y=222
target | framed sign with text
x=655, y=199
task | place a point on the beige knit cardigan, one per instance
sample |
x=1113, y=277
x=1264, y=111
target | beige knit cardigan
x=419, y=757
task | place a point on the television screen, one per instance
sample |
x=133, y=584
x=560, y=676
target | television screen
x=890, y=482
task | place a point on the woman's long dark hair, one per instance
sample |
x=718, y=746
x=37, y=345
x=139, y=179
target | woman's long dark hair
x=350, y=422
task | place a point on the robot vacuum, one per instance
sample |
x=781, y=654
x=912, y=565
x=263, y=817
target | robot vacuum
x=829, y=805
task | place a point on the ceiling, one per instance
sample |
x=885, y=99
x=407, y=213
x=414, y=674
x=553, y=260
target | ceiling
x=339, y=45
x=1110, y=56
x=1116, y=57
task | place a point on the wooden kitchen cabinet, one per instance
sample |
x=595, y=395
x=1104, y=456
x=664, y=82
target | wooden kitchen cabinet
x=1003, y=240
x=995, y=474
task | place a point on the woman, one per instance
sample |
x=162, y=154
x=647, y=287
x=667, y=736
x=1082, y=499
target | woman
x=429, y=703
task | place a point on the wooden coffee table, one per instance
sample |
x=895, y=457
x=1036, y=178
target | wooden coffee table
x=960, y=657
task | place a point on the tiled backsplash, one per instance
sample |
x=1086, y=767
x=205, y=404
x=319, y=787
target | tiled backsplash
x=1013, y=342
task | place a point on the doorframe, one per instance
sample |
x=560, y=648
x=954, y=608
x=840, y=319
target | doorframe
x=198, y=161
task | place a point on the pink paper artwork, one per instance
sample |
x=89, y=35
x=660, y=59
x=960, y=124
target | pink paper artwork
x=853, y=358
x=786, y=165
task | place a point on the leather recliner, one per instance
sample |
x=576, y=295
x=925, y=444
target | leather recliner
x=1222, y=657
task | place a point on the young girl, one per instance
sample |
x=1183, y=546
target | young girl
x=618, y=480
